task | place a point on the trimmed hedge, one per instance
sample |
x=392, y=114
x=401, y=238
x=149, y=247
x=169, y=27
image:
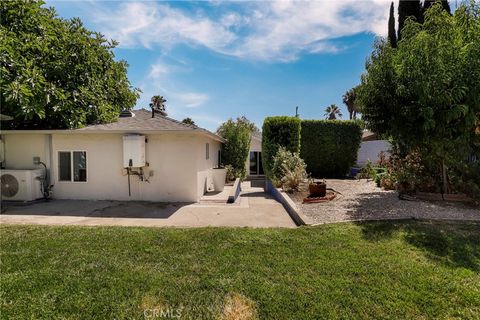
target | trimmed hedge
x=330, y=147
x=279, y=131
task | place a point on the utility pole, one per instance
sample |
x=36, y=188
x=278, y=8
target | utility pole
x=296, y=112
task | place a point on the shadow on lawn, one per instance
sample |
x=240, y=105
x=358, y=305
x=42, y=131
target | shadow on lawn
x=455, y=244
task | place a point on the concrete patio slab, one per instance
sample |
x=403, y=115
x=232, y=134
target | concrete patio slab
x=253, y=209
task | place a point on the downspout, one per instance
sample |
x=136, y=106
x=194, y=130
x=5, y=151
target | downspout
x=4, y=154
x=48, y=165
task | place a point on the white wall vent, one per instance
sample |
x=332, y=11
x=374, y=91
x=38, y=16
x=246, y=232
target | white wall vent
x=133, y=151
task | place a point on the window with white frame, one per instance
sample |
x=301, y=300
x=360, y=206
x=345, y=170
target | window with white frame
x=72, y=166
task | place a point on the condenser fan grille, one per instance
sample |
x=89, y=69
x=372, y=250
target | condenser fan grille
x=9, y=185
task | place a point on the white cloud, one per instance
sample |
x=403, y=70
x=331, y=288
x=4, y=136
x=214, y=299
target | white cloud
x=160, y=81
x=158, y=69
x=152, y=24
x=284, y=29
x=268, y=31
x=191, y=99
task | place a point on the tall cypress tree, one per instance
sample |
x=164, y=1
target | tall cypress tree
x=408, y=8
x=446, y=6
x=392, y=35
x=427, y=4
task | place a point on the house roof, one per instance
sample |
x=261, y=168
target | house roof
x=368, y=135
x=140, y=122
x=256, y=135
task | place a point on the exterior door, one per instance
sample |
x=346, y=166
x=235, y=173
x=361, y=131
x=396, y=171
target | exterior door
x=256, y=167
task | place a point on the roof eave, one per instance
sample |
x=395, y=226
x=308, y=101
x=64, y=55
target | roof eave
x=93, y=131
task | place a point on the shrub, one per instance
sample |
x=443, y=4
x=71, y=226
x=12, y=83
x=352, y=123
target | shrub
x=330, y=148
x=387, y=181
x=466, y=179
x=367, y=172
x=288, y=169
x=237, y=147
x=279, y=132
x=231, y=174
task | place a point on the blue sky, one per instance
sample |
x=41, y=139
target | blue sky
x=220, y=59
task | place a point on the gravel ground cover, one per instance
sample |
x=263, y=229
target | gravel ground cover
x=363, y=200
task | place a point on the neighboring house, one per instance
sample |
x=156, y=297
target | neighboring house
x=370, y=148
x=166, y=159
x=254, y=162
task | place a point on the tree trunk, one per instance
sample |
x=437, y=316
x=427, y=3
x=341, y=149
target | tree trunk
x=444, y=178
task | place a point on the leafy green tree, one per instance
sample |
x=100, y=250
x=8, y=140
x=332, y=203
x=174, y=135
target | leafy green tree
x=55, y=73
x=332, y=112
x=392, y=35
x=428, y=3
x=189, y=121
x=241, y=121
x=425, y=94
x=236, y=149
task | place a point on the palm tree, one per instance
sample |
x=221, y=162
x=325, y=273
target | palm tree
x=158, y=105
x=189, y=121
x=332, y=111
x=349, y=100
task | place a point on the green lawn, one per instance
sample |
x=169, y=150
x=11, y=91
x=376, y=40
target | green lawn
x=370, y=270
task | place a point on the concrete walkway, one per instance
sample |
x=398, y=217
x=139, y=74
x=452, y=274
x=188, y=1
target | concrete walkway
x=254, y=208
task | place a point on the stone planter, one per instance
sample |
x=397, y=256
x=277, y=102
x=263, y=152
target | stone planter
x=218, y=178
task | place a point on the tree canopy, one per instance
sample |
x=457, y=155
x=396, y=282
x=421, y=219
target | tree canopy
x=349, y=99
x=55, y=72
x=392, y=36
x=157, y=104
x=408, y=9
x=332, y=112
x=243, y=121
x=189, y=121
x=236, y=149
x=425, y=94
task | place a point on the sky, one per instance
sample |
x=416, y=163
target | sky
x=214, y=60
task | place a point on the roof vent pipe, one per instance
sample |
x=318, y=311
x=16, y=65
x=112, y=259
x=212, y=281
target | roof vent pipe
x=126, y=114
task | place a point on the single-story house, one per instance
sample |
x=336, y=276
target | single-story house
x=139, y=157
x=370, y=148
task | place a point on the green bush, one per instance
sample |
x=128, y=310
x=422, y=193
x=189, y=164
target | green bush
x=288, y=169
x=279, y=132
x=367, y=172
x=328, y=147
x=237, y=147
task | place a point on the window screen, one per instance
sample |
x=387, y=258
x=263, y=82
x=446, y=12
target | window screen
x=207, y=151
x=64, y=166
x=79, y=166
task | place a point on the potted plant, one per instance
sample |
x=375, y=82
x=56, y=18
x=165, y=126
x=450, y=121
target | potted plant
x=317, y=188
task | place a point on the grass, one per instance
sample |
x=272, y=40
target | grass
x=369, y=270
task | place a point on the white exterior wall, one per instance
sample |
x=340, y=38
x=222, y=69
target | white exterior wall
x=369, y=150
x=19, y=150
x=178, y=162
x=204, y=180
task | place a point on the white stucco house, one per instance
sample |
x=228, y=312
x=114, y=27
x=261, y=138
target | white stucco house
x=139, y=157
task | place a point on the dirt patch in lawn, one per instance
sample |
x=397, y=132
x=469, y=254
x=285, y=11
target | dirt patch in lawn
x=239, y=307
x=363, y=200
